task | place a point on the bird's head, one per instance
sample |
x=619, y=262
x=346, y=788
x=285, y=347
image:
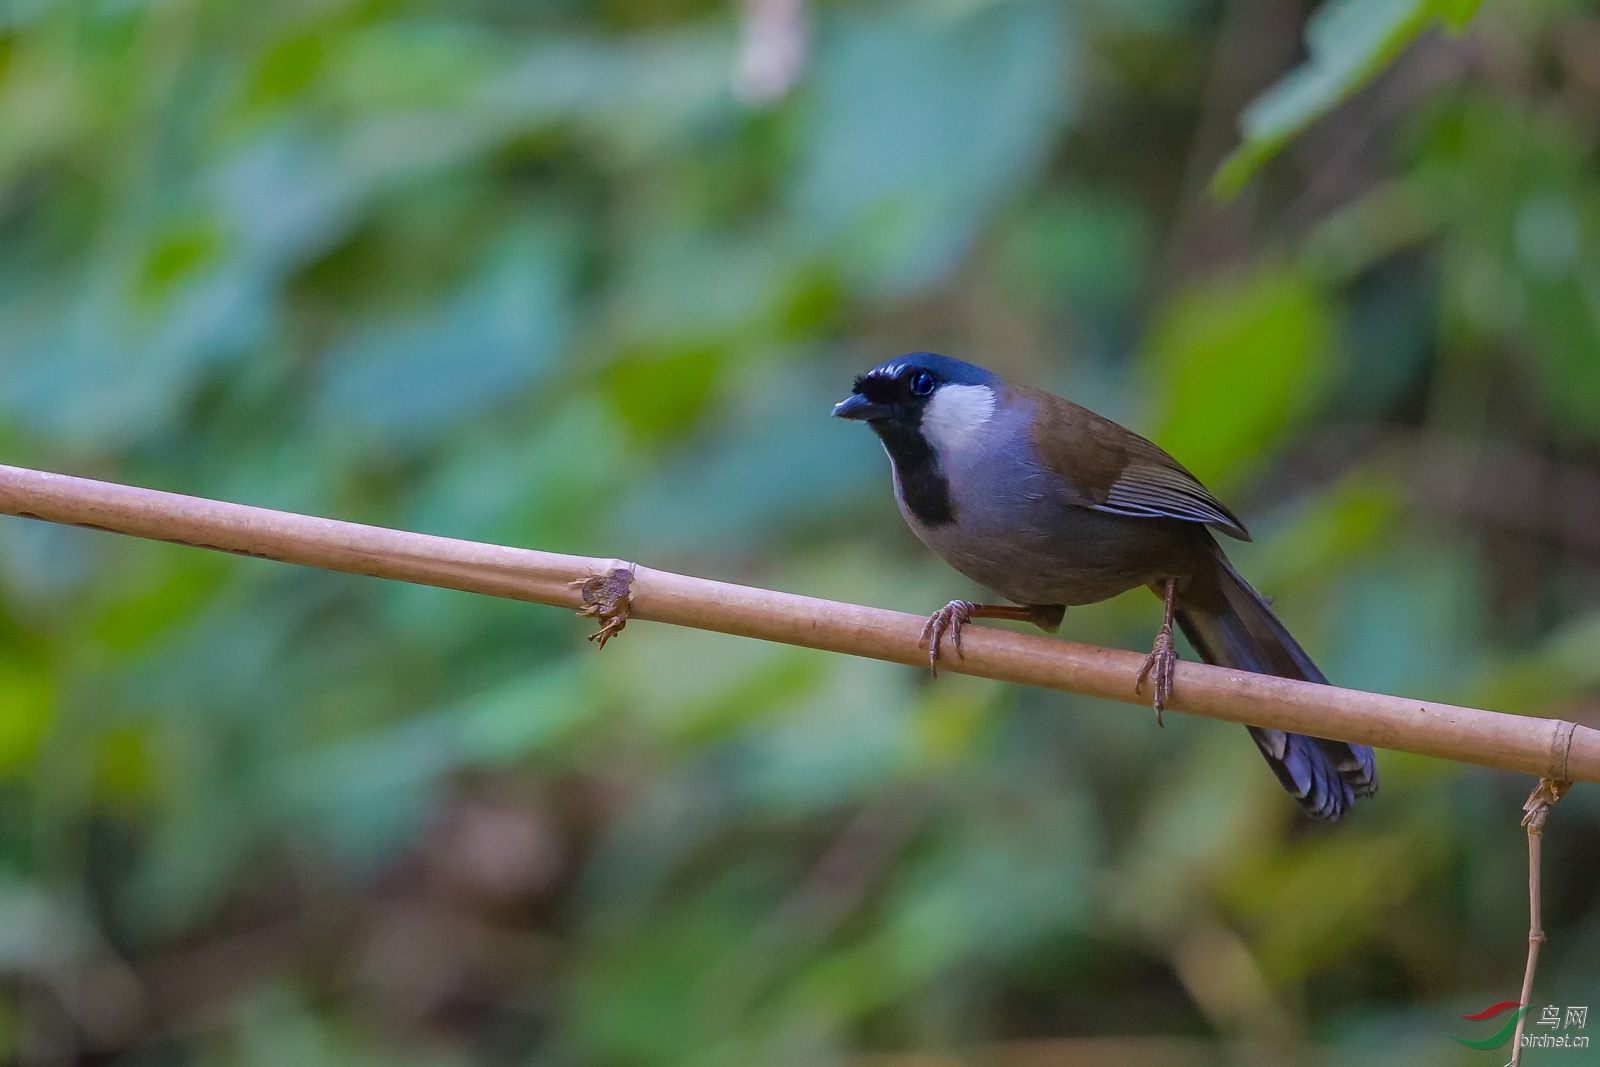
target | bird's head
x=943, y=400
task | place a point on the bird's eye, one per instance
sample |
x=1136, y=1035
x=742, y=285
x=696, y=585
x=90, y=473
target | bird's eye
x=921, y=383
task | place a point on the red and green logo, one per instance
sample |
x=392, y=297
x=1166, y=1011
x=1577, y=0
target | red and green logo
x=1500, y=1036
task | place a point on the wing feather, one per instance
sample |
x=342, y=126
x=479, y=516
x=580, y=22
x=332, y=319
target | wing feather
x=1115, y=470
x=1158, y=489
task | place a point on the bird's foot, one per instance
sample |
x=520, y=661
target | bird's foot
x=1158, y=666
x=947, y=621
x=606, y=597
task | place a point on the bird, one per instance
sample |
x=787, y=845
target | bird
x=1053, y=506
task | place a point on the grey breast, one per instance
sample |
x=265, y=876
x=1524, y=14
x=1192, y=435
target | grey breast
x=1023, y=532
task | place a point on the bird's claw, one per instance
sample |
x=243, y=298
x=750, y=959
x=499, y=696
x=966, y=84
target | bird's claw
x=606, y=597
x=1158, y=666
x=948, y=620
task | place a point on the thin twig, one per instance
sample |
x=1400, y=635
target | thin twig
x=1544, y=797
x=1548, y=748
x=1254, y=45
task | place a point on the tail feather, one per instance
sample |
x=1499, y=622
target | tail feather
x=1230, y=625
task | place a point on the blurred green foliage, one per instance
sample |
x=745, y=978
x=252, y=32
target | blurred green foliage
x=561, y=275
x=1349, y=41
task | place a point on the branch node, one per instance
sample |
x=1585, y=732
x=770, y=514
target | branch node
x=1546, y=795
x=606, y=597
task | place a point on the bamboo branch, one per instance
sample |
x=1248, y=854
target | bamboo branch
x=1547, y=748
x=1546, y=795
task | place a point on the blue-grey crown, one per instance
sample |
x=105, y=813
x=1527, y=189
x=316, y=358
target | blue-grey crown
x=942, y=367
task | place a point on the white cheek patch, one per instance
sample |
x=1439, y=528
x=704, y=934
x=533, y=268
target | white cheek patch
x=955, y=415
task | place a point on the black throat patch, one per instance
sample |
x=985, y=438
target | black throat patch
x=923, y=485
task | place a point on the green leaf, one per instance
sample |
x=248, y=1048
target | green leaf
x=921, y=126
x=1236, y=364
x=407, y=380
x=1349, y=42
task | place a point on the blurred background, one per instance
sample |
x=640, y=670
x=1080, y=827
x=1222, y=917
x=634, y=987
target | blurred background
x=587, y=277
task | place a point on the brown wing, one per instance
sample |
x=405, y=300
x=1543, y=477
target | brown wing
x=1114, y=469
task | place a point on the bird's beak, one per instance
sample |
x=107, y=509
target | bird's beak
x=859, y=408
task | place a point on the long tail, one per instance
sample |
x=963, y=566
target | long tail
x=1230, y=625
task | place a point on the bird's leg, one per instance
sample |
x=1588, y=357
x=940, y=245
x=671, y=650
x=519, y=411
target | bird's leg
x=1162, y=658
x=949, y=620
